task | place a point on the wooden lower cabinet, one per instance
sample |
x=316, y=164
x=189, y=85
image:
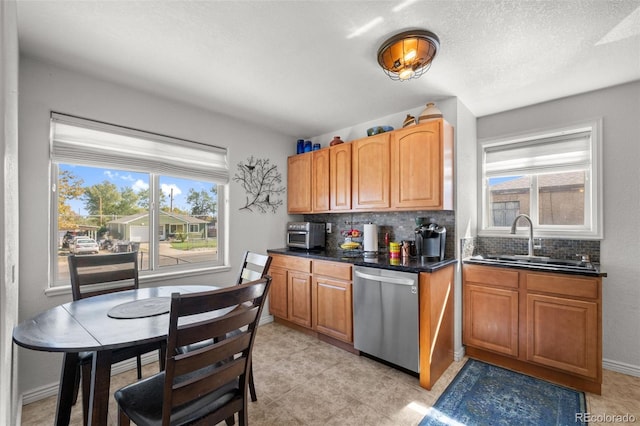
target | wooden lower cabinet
x=543, y=324
x=491, y=318
x=313, y=294
x=299, y=307
x=278, y=293
x=332, y=300
x=290, y=293
x=436, y=291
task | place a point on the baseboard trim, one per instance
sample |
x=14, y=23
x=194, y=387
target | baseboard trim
x=459, y=354
x=51, y=389
x=621, y=367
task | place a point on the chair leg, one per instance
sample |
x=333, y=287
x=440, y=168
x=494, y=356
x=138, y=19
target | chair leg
x=86, y=392
x=123, y=419
x=76, y=385
x=162, y=355
x=230, y=421
x=139, y=366
x=252, y=386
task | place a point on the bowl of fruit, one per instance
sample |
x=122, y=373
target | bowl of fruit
x=351, y=240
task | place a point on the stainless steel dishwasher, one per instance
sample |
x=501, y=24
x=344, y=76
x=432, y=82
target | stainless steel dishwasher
x=385, y=315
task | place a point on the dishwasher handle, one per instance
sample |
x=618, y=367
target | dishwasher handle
x=390, y=280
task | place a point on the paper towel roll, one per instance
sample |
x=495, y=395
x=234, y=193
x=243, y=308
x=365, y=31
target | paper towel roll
x=370, y=238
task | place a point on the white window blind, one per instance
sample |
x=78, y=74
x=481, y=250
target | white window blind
x=80, y=141
x=565, y=152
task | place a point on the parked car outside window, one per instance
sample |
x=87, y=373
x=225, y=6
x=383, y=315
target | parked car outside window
x=83, y=245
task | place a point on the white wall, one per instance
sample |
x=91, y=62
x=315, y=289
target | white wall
x=8, y=209
x=46, y=87
x=620, y=249
x=466, y=210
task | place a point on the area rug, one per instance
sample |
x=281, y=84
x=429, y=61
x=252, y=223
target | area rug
x=483, y=394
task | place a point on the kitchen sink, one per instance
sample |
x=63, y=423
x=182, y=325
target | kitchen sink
x=535, y=262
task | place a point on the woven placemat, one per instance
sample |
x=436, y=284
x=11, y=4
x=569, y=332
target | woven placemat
x=141, y=308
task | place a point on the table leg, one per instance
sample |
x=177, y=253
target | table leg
x=65, y=393
x=100, y=381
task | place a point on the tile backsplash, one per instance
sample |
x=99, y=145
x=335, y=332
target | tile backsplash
x=556, y=248
x=399, y=224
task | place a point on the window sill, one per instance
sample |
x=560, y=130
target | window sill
x=150, y=279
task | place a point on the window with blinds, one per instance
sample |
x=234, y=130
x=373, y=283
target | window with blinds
x=131, y=190
x=554, y=177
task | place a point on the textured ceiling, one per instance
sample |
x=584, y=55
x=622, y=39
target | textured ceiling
x=309, y=67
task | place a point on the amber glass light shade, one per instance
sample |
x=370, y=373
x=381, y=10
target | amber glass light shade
x=409, y=54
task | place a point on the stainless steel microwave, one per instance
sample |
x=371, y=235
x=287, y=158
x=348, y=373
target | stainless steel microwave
x=306, y=235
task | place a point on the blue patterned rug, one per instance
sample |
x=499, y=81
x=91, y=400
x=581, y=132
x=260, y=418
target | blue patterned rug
x=482, y=394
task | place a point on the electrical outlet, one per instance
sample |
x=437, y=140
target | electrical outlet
x=328, y=227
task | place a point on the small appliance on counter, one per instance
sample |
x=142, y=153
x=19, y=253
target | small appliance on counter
x=430, y=240
x=370, y=239
x=306, y=235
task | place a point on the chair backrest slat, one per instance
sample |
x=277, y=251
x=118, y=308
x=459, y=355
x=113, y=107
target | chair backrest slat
x=192, y=374
x=254, y=266
x=192, y=333
x=119, y=271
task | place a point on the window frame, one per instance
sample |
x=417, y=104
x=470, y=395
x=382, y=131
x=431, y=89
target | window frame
x=593, y=229
x=56, y=286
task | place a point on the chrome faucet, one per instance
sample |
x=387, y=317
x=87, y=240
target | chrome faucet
x=513, y=231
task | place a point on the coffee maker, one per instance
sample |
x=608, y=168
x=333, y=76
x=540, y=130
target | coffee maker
x=430, y=240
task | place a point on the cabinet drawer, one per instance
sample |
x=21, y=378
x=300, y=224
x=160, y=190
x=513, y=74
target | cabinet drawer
x=292, y=263
x=565, y=285
x=341, y=271
x=493, y=276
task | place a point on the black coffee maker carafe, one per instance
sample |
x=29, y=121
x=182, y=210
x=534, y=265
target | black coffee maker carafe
x=430, y=240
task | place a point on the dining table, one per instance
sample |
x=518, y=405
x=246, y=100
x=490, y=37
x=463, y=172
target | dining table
x=100, y=324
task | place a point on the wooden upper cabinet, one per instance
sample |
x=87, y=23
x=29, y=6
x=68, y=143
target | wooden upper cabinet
x=299, y=183
x=370, y=172
x=320, y=180
x=422, y=166
x=340, y=177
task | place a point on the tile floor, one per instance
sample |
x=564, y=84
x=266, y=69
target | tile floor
x=303, y=381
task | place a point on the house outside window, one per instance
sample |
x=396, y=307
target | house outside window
x=553, y=176
x=114, y=185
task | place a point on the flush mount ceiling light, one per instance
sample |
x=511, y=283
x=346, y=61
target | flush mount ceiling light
x=408, y=54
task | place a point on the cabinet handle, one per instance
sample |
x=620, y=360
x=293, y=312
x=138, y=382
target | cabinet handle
x=331, y=286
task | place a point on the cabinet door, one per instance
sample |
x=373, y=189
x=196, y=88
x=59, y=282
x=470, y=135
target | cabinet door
x=340, y=176
x=278, y=294
x=299, y=298
x=416, y=171
x=320, y=179
x=370, y=173
x=563, y=333
x=299, y=183
x=490, y=318
x=333, y=309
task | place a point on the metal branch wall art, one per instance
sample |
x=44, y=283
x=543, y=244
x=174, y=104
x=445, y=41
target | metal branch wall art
x=261, y=181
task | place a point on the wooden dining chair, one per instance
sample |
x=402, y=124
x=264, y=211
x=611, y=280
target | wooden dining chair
x=207, y=385
x=92, y=275
x=254, y=266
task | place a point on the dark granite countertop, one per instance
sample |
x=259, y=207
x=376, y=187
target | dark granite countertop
x=412, y=264
x=596, y=270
